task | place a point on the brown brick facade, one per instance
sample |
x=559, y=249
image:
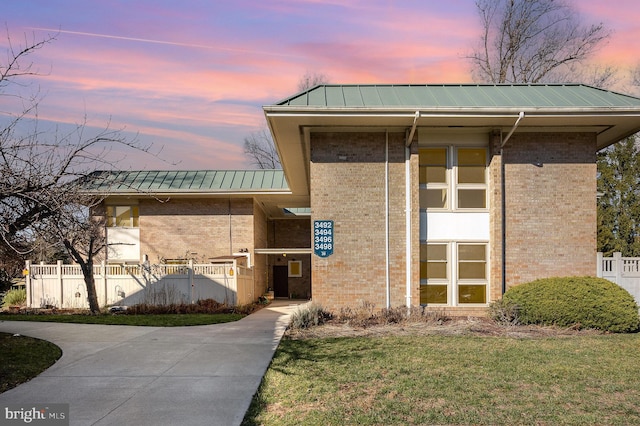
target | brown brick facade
x=260, y=262
x=348, y=186
x=550, y=195
x=545, y=182
x=495, y=217
x=178, y=228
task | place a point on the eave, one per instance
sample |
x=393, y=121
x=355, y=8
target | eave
x=292, y=125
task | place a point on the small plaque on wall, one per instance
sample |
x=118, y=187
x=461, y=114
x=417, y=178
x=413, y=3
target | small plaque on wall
x=295, y=268
x=323, y=238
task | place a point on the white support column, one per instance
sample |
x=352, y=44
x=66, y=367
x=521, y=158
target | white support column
x=60, y=283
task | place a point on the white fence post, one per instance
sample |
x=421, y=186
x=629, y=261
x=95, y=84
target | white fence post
x=617, y=264
x=599, y=260
x=27, y=282
x=103, y=271
x=60, y=283
x=191, y=283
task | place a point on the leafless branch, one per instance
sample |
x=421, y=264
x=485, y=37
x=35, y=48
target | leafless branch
x=532, y=41
x=259, y=147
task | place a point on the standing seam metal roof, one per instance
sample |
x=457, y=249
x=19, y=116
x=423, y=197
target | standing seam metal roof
x=460, y=96
x=186, y=181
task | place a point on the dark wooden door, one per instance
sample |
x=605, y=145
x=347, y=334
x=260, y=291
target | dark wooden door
x=280, y=281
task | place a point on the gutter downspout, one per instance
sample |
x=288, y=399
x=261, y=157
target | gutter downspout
x=386, y=218
x=413, y=129
x=504, y=201
x=513, y=129
x=407, y=209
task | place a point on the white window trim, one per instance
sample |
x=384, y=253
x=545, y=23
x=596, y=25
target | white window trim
x=455, y=186
x=452, y=186
x=452, y=281
x=115, y=216
x=474, y=281
x=446, y=185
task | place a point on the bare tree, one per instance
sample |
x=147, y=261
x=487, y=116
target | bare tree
x=42, y=200
x=635, y=78
x=259, y=146
x=532, y=41
x=43, y=203
x=261, y=150
x=311, y=79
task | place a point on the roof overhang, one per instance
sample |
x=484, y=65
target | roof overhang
x=274, y=203
x=292, y=125
x=281, y=251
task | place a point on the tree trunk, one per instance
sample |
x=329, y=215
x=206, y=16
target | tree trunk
x=90, y=282
x=87, y=272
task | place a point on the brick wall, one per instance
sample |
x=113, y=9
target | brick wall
x=550, y=195
x=260, y=264
x=348, y=186
x=495, y=216
x=208, y=227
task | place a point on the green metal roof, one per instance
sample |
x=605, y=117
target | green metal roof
x=195, y=181
x=460, y=96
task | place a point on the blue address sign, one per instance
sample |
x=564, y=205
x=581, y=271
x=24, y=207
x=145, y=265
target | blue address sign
x=323, y=237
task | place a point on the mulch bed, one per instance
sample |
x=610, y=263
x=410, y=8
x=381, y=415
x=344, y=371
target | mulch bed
x=453, y=327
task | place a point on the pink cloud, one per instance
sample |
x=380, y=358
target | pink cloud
x=194, y=78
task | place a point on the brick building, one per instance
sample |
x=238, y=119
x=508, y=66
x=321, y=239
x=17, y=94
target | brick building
x=440, y=195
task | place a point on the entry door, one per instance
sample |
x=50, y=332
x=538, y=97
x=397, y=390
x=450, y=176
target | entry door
x=280, y=281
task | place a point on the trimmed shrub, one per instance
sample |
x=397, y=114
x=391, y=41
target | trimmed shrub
x=16, y=297
x=581, y=302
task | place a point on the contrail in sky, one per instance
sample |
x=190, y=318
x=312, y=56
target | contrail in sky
x=171, y=43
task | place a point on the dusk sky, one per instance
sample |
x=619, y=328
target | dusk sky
x=191, y=76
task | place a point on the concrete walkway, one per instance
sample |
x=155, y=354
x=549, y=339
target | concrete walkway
x=117, y=375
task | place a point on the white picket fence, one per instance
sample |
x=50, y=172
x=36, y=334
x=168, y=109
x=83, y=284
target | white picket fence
x=63, y=286
x=624, y=271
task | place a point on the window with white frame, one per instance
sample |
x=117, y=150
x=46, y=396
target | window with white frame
x=434, y=178
x=471, y=178
x=434, y=274
x=122, y=216
x=453, y=273
x=467, y=189
x=472, y=273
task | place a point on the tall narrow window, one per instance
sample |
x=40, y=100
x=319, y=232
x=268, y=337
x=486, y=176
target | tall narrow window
x=471, y=178
x=433, y=178
x=434, y=273
x=472, y=273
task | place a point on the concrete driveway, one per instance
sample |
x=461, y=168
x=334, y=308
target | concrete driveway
x=115, y=375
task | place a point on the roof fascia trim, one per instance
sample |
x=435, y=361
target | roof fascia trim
x=445, y=112
x=186, y=193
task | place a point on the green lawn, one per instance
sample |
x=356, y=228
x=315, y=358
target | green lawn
x=452, y=380
x=22, y=358
x=154, y=320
